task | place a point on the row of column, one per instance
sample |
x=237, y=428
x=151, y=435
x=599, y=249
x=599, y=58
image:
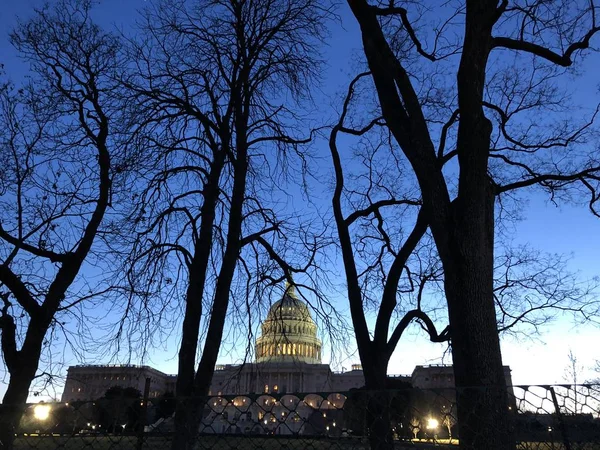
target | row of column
x=300, y=349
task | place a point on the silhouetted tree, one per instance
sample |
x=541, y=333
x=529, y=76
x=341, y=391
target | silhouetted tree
x=218, y=91
x=57, y=147
x=463, y=147
x=119, y=409
x=165, y=405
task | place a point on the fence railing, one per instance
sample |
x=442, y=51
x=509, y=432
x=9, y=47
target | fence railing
x=541, y=417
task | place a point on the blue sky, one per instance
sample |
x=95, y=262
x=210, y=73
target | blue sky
x=566, y=229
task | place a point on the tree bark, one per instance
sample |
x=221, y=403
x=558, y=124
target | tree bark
x=378, y=403
x=13, y=405
x=482, y=396
x=186, y=411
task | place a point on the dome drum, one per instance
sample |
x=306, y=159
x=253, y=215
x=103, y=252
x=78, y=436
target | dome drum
x=289, y=333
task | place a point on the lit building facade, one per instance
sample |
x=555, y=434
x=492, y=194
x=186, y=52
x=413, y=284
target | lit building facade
x=288, y=361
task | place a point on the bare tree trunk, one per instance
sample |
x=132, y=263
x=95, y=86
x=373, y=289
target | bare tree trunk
x=482, y=396
x=378, y=404
x=187, y=410
x=12, y=408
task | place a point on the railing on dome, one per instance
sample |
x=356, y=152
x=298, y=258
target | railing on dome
x=542, y=417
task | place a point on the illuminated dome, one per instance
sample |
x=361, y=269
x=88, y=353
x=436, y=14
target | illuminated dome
x=289, y=333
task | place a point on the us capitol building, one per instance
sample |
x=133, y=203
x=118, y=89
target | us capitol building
x=288, y=360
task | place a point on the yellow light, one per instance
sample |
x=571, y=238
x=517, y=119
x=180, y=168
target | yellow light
x=432, y=423
x=41, y=412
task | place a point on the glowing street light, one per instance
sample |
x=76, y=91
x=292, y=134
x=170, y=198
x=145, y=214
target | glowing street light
x=432, y=423
x=41, y=412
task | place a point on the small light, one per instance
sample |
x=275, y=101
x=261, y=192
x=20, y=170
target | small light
x=432, y=423
x=327, y=427
x=41, y=412
x=333, y=424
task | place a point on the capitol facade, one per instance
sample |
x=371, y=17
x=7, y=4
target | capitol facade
x=288, y=360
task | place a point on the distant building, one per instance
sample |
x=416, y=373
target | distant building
x=288, y=360
x=89, y=382
x=441, y=376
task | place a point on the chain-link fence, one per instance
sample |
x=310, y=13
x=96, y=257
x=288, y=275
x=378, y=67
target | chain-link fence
x=540, y=417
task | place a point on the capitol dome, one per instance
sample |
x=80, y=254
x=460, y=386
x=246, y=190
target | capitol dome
x=289, y=334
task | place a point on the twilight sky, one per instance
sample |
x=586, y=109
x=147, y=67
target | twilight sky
x=566, y=229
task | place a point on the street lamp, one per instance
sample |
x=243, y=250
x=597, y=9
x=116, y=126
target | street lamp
x=433, y=424
x=41, y=412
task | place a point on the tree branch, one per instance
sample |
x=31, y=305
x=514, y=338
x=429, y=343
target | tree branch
x=52, y=256
x=564, y=60
x=19, y=290
x=444, y=336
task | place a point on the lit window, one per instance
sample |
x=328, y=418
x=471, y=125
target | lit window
x=267, y=388
x=275, y=387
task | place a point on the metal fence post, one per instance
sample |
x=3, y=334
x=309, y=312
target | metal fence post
x=143, y=416
x=561, y=423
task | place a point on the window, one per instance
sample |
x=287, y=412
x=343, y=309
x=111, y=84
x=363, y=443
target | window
x=266, y=388
x=275, y=388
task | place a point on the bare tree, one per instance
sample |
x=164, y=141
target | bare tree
x=58, y=179
x=415, y=425
x=572, y=375
x=219, y=88
x=449, y=418
x=397, y=274
x=469, y=145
